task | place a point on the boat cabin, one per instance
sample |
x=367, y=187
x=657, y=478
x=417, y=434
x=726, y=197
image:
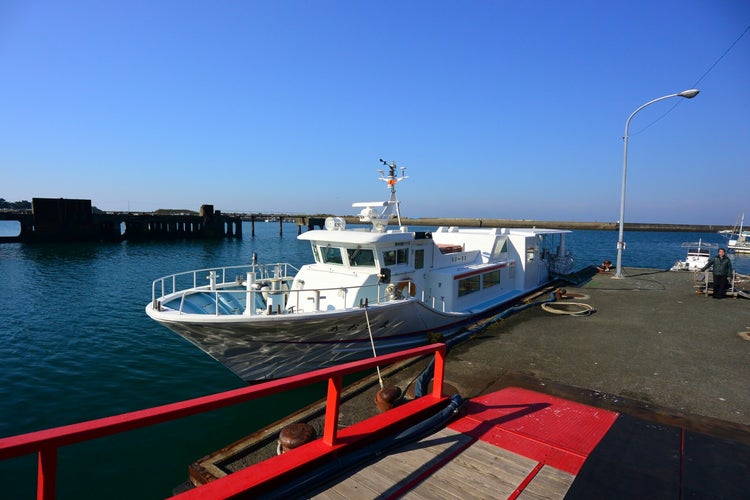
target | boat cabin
x=450, y=269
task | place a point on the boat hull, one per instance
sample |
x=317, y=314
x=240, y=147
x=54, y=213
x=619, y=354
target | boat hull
x=735, y=246
x=268, y=347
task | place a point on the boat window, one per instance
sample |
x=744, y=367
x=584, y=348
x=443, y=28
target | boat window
x=361, y=257
x=316, y=254
x=468, y=285
x=396, y=257
x=491, y=279
x=331, y=255
x=547, y=245
x=500, y=248
x=419, y=258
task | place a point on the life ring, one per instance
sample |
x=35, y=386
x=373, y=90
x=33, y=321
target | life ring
x=407, y=283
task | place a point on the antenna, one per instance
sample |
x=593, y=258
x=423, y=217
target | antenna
x=391, y=180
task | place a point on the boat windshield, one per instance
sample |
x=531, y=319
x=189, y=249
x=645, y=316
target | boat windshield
x=361, y=257
x=331, y=255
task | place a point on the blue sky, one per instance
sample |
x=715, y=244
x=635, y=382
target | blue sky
x=497, y=109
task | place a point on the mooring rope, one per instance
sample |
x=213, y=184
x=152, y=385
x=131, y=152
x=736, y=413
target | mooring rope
x=569, y=308
x=372, y=343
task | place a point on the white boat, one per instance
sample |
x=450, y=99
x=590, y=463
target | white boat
x=369, y=290
x=698, y=254
x=738, y=238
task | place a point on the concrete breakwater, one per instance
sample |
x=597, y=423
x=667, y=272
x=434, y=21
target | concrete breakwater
x=573, y=225
x=61, y=220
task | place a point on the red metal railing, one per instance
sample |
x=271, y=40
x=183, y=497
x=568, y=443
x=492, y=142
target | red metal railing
x=46, y=442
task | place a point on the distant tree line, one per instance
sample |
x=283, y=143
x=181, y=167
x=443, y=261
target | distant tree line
x=14, y=205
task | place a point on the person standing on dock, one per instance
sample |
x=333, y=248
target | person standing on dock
x=722, y=269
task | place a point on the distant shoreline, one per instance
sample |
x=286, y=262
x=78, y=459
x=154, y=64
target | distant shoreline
x=594, y=226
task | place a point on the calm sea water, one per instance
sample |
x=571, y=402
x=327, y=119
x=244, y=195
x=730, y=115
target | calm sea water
x=76, y=344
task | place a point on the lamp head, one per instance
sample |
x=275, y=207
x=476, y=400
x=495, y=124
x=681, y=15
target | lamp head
x=689, y=94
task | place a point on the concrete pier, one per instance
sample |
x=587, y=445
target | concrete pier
x=654, y=349
x=69, y=220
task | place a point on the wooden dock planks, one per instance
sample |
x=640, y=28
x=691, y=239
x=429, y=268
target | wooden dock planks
x=481, y=471
x=513, y=443
x=548, y=483
x=449, y=464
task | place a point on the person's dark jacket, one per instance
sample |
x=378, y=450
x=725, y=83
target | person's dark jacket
x=722, y=266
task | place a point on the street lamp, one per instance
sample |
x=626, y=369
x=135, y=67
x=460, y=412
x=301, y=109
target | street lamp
x=688, y=94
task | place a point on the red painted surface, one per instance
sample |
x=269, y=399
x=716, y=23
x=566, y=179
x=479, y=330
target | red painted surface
x=46, y=472
x=530, y=477
x=550, y=430
x=547, y=429
x=263, y=477
x=332, y=411
x=46, y=442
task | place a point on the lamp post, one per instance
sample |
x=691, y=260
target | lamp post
x=688, y=94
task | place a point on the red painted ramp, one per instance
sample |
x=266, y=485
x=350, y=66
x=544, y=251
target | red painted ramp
x=550, y=430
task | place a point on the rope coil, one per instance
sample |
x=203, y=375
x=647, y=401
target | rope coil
x=569, y=308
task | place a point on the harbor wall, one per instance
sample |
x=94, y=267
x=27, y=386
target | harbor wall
x=572, y=225
x=63, y=220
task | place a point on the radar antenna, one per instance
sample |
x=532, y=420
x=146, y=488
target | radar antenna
x=380, y=218
x=391, y=180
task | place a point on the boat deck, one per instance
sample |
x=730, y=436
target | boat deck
x=518, y=443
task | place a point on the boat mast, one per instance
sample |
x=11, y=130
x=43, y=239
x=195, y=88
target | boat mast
x=391, y=180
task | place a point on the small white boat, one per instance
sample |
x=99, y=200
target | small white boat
x=738, y=237
x=698, y=255
x=369, y=290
